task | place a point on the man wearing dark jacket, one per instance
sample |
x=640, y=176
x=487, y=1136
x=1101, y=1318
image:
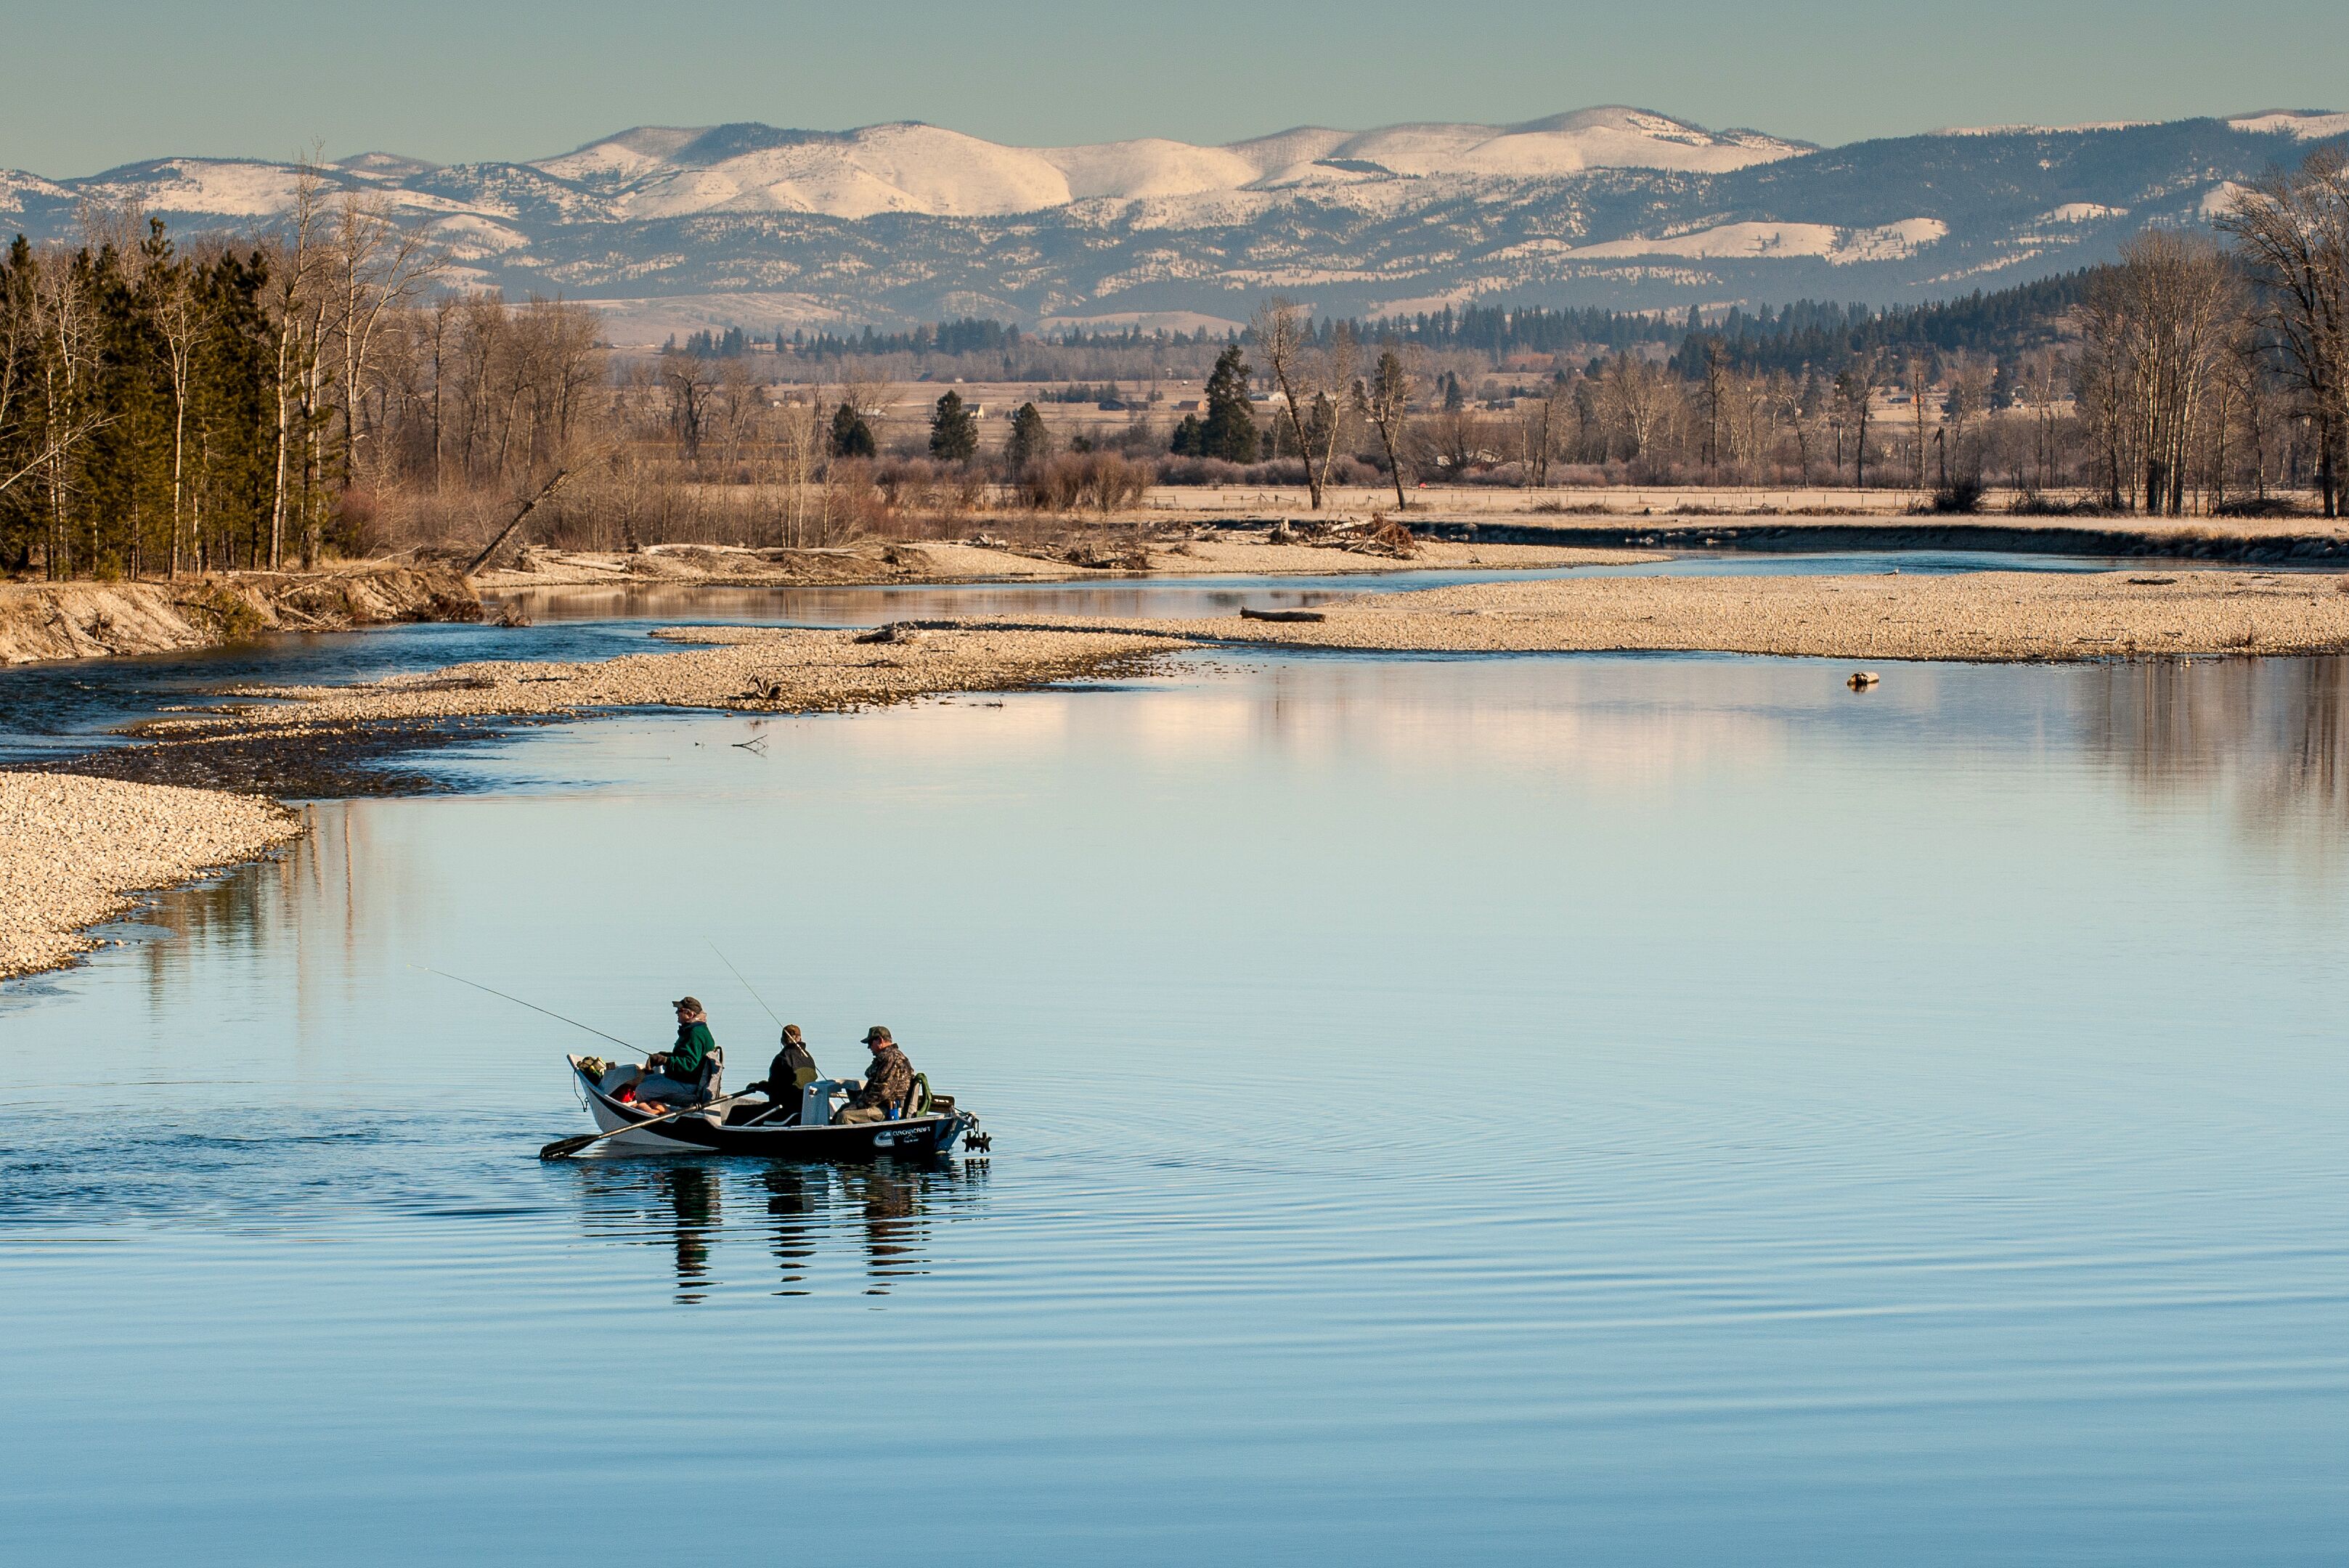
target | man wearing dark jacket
x=792, y=1070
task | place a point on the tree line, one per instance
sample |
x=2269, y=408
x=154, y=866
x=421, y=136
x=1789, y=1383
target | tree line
x=164, y=409
x=168, y=408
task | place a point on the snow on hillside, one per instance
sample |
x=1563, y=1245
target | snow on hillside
x=2083, y=128
x=1151, y=167
x=2219, y=200
x=914, y=168
x=883, y=168
x=1839, y=247
x=17, y=186
x=2081, y=213
x=384, y=166
x=2302, y=125
x=1566, y=144
x=627, y=156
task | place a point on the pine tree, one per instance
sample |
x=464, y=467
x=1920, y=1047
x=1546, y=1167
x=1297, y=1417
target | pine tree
x=1229, y=430
x=1030, y=442
x=1188, y=438
x=954, y=432
x=851, y=435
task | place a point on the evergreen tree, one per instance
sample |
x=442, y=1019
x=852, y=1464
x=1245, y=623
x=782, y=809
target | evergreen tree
x=851, y=435
x=1030, y=442
x=954, y=432
x=1229, y=430
x=1188, y=438
x=1454, y=399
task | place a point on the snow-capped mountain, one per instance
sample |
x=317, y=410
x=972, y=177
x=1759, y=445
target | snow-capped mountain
x=749, y=225
x=649, y=173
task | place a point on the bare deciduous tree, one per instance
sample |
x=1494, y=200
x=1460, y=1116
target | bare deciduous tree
x=2152, y=334
x=1385, y=399
x=1303, y=379
x=2292, y=231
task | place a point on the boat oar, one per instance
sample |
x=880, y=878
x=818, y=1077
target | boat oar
x=564, y=1148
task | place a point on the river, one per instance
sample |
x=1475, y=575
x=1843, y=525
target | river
x=1631, y=1109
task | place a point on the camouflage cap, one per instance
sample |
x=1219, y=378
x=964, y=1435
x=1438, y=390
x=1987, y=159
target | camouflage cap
x=687, y=1005
x=878, y=1033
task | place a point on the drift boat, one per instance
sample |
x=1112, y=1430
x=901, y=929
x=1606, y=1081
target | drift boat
x=930, y=1126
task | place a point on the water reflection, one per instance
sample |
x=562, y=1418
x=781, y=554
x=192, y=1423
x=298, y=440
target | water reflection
x=2264, y=740
x=2268, y=737
x=866, y=1227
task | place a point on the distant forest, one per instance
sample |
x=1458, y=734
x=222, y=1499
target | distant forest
x=1819, y=334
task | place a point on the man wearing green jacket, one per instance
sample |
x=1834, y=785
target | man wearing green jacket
x=674, y=1076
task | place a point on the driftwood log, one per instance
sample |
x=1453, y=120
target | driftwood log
x=1248, y=614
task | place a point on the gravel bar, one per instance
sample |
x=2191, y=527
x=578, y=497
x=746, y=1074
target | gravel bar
x=1982, y=616
x=75, y=851
x=756, y=669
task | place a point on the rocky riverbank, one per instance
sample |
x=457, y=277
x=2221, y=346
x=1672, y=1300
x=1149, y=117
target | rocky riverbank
x=75, y=851
x=46, y=621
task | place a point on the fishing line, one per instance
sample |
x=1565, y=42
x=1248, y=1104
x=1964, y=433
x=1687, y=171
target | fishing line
x=534, y=1008
x=746, y=984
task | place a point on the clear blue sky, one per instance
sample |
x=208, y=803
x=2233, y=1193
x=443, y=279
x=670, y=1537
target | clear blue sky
x=93, y=83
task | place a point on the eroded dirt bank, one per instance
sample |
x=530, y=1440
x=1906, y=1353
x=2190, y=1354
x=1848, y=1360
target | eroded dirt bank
x=77, y=850
x=45, y=621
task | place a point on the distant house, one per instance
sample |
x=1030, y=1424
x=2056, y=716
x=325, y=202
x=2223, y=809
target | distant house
x=1188, y=406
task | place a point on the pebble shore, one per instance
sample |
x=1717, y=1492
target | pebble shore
x=749, y=668
x=75, y=851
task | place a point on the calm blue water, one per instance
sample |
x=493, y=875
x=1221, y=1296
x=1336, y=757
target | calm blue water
x=1624, y=1109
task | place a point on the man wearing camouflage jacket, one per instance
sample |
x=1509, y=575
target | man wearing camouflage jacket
x=889, y=1085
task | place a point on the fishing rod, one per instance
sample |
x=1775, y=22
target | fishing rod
x=746, y=984
x=534, y=1008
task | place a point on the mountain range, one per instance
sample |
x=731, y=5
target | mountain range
x=673, y=229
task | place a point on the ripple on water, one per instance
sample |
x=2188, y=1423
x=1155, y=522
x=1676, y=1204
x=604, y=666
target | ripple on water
x=1443, y=1109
